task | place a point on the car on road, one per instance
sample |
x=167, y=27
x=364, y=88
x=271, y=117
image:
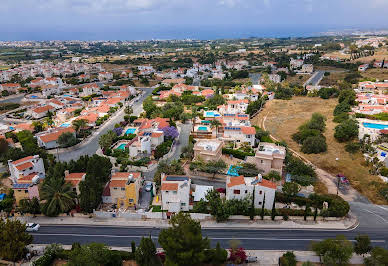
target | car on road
x=32, y=227
x=251, y=259
x=148, y=187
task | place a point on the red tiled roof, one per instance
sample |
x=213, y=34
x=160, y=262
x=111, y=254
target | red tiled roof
x=24, y=166
x=235, y=181
x=117, y=183
x=118, y=175
x=248, y=130
x=22, y=160
x=43, y=109
x=55, y=135
x=170, y=186
x=268, y=184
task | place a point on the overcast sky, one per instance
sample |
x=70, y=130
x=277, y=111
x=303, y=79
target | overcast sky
x=202, y=19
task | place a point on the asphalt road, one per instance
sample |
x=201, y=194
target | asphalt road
x=265, y=239
x=316, y=78
x=91, y=147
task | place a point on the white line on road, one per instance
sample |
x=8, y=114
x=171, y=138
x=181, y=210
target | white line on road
x=382, y=218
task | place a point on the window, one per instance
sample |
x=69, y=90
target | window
x=261, y=192
x=261, y=161
x=123, y=188
x=236, y=191
x=248, y=136
x=246, y=191
x=183, y=204
x=174, y=192
x=130, y=200
x=259, y=202
x=166, y=191
x=25, y=191
x=115, y=188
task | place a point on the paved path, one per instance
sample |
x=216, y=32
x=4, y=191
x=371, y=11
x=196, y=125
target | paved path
x=315, y=78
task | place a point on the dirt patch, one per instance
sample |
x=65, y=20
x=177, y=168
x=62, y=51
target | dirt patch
x=376, y=73
x=297, y=79
x=282, y=119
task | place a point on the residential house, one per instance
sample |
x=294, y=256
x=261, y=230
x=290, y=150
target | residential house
x=104, y=76
x=27, y=166
x=378, y=64
x=275, y=78
x=269, y=157
x=240, y=187
x=175, y=193
x=208, y=150
x=234, y=107
x=10, y=87
x=157, y=138
x=181, y=87
x=40, y=112
x=165, y=94
x=236, y=120
x=296, y=63
x=124, y=188
x=74, y=179
x=307, y=68
x=140, y=145
x=127, y=74
x=90, y=117
x=27, y=189
x=49, y=139
x=89, y=89
x=239, y=135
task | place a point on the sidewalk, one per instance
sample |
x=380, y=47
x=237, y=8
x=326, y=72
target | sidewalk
x=243, y=223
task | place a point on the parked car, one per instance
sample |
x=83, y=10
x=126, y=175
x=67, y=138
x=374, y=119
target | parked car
x=148, y=187
x=251, y=259
x=32, y=227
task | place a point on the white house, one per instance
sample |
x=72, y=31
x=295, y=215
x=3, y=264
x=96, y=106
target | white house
x=296, y=63
x=140, y=145
x=363, y=67
x=175, y=193
x=239, y=135
x=48, y=139
x=40, y=111
x=28, y=166
x=275, y=78
x=234, y=107
x=89, y=89
x=102, y=76
x=240, y=187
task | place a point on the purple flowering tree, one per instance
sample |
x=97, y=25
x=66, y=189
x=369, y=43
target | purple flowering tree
x=170, y=132
x=118, y=131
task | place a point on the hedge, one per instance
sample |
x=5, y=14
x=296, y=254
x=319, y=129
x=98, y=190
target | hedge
x=237, y=153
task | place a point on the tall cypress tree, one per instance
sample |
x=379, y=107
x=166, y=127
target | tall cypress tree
x=273, y=213
x=252, y=210
x=262, y=208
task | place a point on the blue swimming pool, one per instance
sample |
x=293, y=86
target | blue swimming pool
x=130, y=131
x=375, y=126
x=211, y=114
x=122, y=146
x=65, y=125
x=202, y=128
x=233, y=170
x=33, y=96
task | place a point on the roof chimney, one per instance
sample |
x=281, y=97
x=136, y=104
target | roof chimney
x=67, y=173
x=259, y=178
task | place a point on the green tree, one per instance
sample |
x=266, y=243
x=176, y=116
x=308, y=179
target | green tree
x=273, y=211
x=273, y=176
x=263, y=208
x=378, y=257
x=13, y=239
x=362, y=245
x=80, y=124
x=59, y=196
x=215, y=124
x=219, y=256
x=217, y=206
x=288, y=259
x=3, y=146
x=38, y=126
x=107, y=139
x=290, y=189
x=252, y=208
x=314, y=144
x=94, y=254
x=336, y=251
x=146, y=253
x=183, y=242
x=347, y=130
x=67, y=139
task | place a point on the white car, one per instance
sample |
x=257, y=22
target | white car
x=32, y=227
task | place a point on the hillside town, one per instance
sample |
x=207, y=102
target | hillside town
x=252, y=133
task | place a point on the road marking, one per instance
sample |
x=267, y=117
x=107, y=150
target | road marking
x=381, y=207
x=382, y=218
x=212, y=238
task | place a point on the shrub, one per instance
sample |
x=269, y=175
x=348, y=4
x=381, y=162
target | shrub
x=341, y=117
x=237, y=153
x=314, y=144
x=288, y=259
x=352, y=147
x=346, y=131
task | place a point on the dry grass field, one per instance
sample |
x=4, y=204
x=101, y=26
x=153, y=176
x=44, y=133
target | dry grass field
x=283, y=120
x=333, y=78
x=297, y=79
x=380, y=54
x=376, y=73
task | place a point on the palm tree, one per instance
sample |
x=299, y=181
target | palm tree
x=59, y=197
x=38, y=126
x=194, y=114
x=80, y=124
x=215, y=123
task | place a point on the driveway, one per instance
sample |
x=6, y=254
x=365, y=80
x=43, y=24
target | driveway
x=144, y=199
